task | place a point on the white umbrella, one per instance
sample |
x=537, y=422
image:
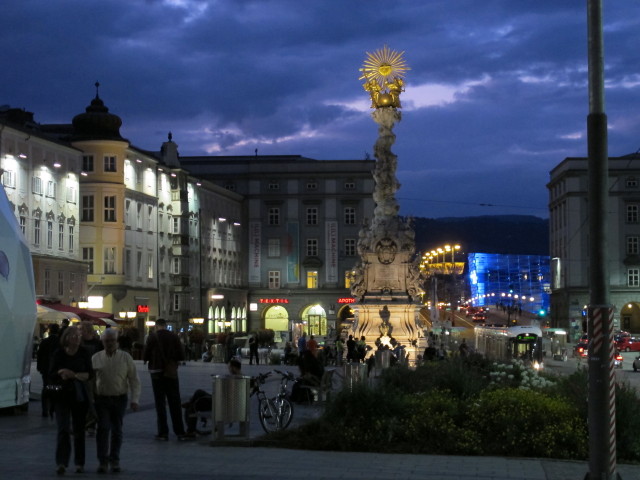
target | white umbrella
x=49, y=315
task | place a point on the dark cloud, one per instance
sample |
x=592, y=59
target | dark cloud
x=496, y=95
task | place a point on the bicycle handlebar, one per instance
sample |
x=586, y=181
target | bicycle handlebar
x=287, y=375
x=262, y=377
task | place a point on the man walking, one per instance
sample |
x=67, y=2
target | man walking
x=45, y=351
x=164, y=352
x=302, y=344
x=351, y=350
x=253, y=350
x=116, y=383
x=90, y=341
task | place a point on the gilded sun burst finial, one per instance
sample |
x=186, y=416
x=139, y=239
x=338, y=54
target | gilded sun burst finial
x=384, y=71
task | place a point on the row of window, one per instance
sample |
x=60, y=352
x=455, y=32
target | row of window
x=274, y=279
x=312, y=249
x=50, y=228
x=273, y=216
x=310, y=185
x=60, y=283
x=177, y=265
x=39, y=186
x=139, y=217
x=109, y=163
x=88, y=208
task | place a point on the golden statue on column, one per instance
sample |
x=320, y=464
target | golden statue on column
x=387, y=282
x=383, y=71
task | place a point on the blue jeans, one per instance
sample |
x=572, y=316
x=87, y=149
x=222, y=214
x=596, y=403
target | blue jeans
x=165, y=388
x=70, y=417
x=110, y=411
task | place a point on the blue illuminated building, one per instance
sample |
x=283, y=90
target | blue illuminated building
x=512, y=280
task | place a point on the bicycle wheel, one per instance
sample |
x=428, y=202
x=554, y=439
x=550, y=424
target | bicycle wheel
x=286, y=411
x=267, y=414
x=271, y=417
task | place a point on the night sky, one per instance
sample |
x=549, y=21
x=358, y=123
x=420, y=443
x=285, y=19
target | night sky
x=495, y=98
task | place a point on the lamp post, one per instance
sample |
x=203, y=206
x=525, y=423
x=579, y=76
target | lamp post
x=127, y=315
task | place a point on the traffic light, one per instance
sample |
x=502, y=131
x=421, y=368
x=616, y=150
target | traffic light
x=542, y=312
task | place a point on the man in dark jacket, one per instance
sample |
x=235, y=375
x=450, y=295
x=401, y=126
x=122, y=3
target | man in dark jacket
x=164, y=353
x=47, y=347
x=253, y=350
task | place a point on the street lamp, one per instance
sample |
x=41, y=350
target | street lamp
x=127, y=315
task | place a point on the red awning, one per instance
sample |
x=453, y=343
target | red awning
x=95, y=317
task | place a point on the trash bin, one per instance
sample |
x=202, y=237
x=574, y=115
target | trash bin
x=217, y=351
x=383, y=359
x=355, y=373
x=231, y=403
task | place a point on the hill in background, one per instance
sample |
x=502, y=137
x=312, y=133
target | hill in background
x=508, y=234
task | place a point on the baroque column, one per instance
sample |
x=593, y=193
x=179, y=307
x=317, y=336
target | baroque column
x=387, y=282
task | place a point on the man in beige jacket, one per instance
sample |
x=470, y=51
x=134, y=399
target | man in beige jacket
x=117, y=384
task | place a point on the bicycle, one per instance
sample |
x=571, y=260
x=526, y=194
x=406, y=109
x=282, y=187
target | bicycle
x=274, y=413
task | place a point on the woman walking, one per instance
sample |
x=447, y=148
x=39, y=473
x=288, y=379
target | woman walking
x=70, y=368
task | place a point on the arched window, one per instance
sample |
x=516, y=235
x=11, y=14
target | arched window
x=276, y=318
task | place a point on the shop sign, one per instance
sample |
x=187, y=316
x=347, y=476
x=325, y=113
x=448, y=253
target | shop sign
x=347, y=300
x=274, y=300
x=143, y=309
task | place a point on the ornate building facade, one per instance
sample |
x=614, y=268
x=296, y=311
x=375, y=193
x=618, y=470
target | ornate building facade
x=41, y=180
x=303, y=217
x=228, y=243
x=568, y=223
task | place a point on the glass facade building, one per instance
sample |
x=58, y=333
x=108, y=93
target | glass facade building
x=511, y=280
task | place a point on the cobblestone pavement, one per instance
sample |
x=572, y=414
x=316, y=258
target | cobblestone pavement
x=28, y=443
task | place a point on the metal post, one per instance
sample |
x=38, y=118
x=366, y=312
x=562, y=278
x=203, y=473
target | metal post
x=602, y=413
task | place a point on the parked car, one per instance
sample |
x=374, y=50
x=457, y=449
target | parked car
x=620, y=335
x=629, y=344
x=479, y=317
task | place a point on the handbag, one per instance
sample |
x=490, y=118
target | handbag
x=53, y=391
x=80, y=391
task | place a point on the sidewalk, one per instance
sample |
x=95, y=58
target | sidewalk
x=28, y=444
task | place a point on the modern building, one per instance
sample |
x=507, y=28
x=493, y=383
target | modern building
x=569, y=238
x=303, y=219
x=516, y=281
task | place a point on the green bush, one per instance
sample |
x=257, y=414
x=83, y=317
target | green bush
x=518, y=422
x=456, y=407
x=627, y=423
x=463, y=377
x=574, y=389
x=363, y=419
x=436, y=423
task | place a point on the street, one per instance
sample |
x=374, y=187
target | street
x=464, y=329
